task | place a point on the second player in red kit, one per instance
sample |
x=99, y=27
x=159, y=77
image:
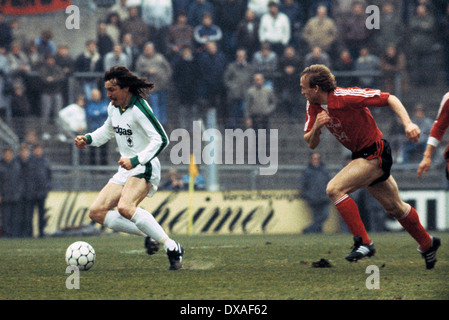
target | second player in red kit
x=344, y=112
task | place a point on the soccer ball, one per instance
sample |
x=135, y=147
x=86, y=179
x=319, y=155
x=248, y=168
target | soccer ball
x=80, y=254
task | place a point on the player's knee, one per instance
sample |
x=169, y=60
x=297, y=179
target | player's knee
x=125, y=209
x=332, y=191
x=97, y=215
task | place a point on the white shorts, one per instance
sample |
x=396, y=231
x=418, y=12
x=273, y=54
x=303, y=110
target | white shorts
x=151, y=172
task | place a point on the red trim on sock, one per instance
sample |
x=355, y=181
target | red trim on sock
x=350, y=213
x=413, y=226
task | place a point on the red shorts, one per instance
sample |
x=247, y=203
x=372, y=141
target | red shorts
x=381, y=151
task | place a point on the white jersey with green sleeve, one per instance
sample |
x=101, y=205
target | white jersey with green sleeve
x=139, y=135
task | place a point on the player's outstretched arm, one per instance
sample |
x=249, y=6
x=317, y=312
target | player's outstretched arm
x=426, y=160
x=412, y=131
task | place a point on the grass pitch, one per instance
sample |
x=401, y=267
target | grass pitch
x=244, y=267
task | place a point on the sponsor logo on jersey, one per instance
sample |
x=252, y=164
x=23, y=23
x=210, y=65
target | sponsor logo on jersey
x=122, y=131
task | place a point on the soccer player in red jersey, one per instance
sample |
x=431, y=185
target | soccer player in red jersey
x=436, y=135
x=345, y=113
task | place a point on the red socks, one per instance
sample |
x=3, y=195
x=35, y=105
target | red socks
x=350, y=213
x=410, y=222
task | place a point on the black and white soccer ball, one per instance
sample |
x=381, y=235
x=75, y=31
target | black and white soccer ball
x=80, y=254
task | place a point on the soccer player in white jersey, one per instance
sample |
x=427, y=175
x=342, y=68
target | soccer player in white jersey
x=140, y=138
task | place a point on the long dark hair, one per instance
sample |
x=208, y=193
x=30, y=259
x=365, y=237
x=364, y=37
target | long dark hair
x=124, y=78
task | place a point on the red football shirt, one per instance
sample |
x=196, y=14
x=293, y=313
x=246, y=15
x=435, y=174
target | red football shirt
x=441, y=123
x=351, y=121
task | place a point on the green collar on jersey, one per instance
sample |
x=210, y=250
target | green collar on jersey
x=131, y=103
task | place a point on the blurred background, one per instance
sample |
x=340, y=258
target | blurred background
x=203, y=56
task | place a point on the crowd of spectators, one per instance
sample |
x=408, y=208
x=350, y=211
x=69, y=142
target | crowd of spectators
x=26, y=180
x=205, y=53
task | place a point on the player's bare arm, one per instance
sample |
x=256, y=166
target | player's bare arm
x=313, y=136
x=426, y=161
x=436, y=135
x=412, y=131
x=81, y=142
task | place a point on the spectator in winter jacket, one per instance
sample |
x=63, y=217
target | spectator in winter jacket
x=247, y=35
x=10, y=198
x=367, y=62
x=421, y=39
x=89, y=61
x=320, y=30
x=207, y=31
x=313, y=190
x=130, y=49
x=45, y=44
x=266, y=61
x=212, y=63
x=260, y=103
x=20, y=106
x=40, y=180
x=137, y=27
x=19, y=63
x=156, y=68
x=259, y=106
x=290, y=65
x=274, y=28
x=238, y=77
x=180, y=35
x=116, y=58
x=105, y=43
x=25, y=213
x=317, y=56
x=67, y=63
x=186, y=74
x=51, y=76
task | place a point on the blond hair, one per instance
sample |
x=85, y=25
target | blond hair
x=321, y=76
